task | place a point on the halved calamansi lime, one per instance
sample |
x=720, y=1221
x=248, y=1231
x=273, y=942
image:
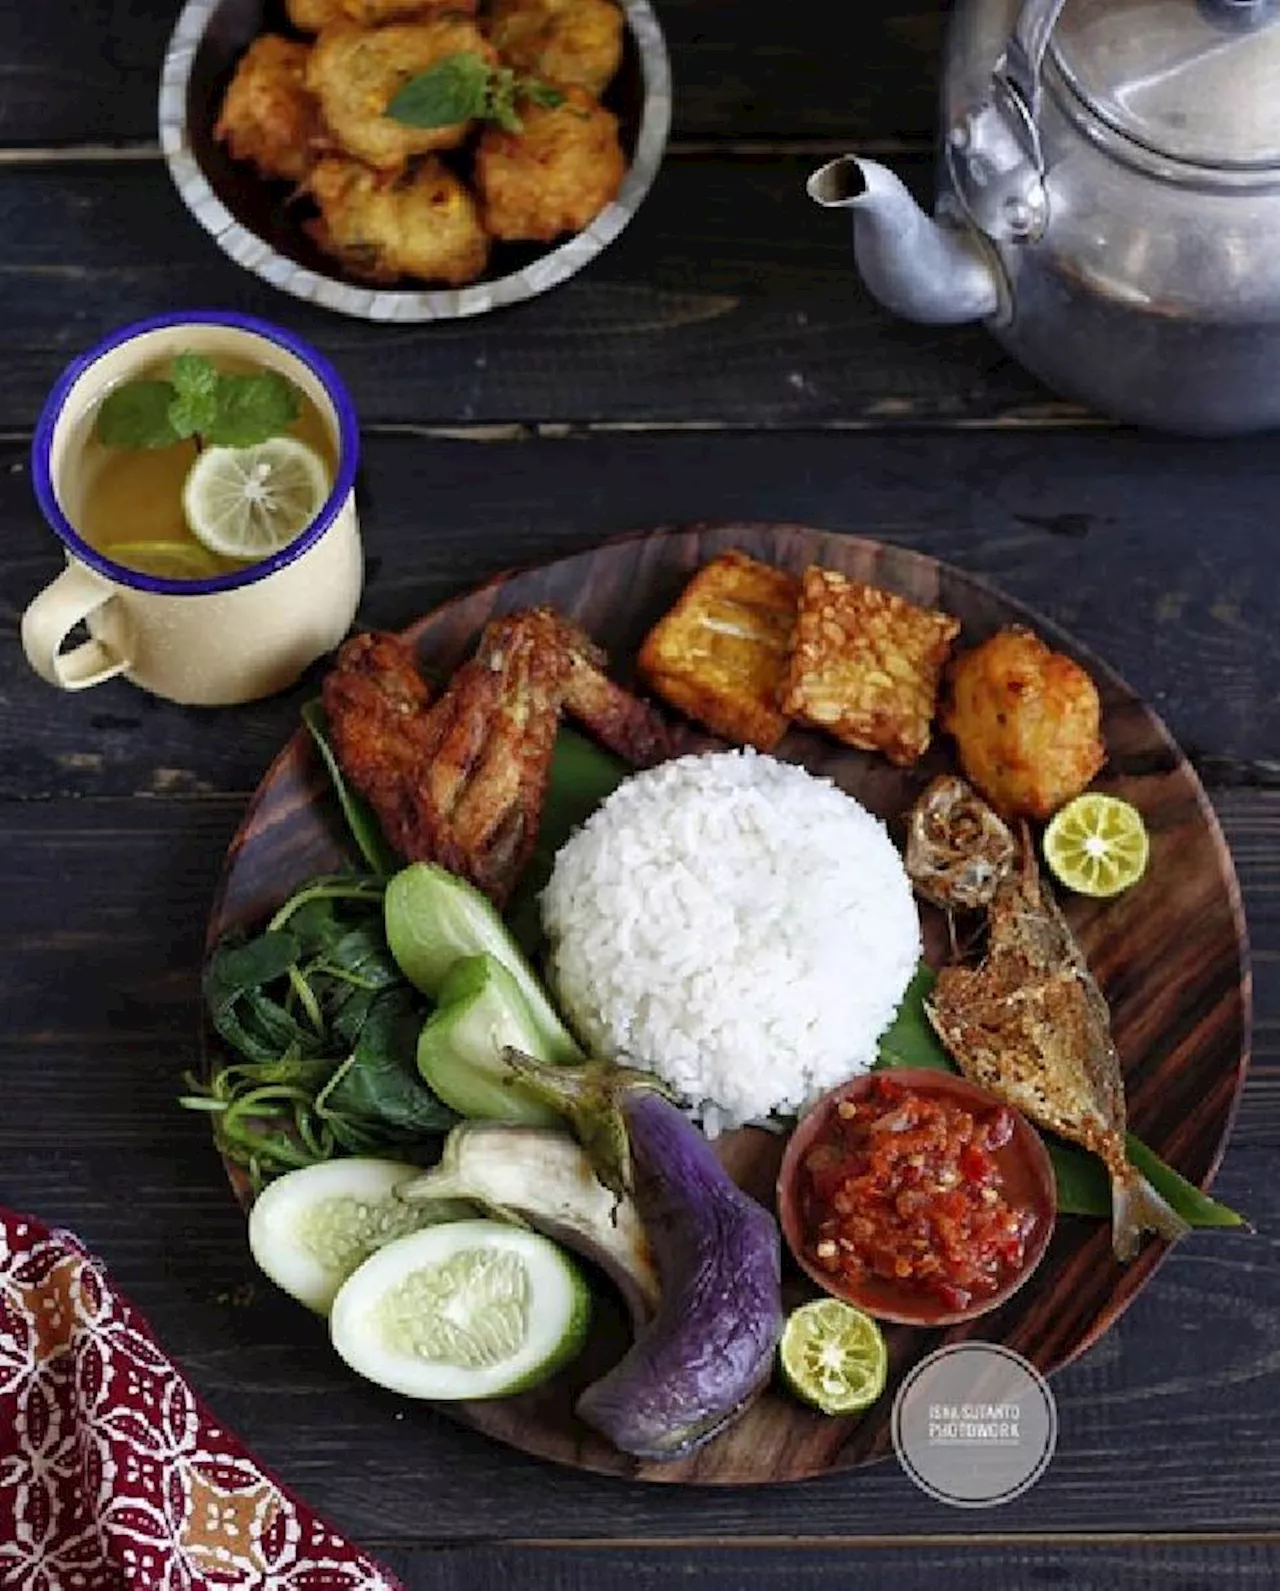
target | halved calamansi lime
x=1097, y=845
x=248, y=502
x=833, y=1356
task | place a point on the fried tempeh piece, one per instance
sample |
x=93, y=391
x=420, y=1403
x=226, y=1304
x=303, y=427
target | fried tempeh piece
x=720, y=654
x=865, y=665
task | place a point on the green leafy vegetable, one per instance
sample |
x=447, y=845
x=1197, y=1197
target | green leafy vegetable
x=198, y=401
x=364, y=827
x=136, y=415
x=1084, y=1187
x=195, y=406
x=464, y=87
x=251, y=409
x=909, y=1040
x=324, y=1029
x=454, y=90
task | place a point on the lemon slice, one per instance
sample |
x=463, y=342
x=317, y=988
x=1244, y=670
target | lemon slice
x=172, y=560
x=1097, y=845
x=833, y=1356
x=248, y=502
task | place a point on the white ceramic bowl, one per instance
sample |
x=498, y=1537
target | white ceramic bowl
x=248, y=220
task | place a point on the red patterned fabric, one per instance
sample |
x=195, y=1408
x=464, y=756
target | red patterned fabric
x=114, y=1476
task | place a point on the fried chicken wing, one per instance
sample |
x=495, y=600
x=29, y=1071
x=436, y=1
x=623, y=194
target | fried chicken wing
x=570, y=42
x=268, y=117
x=554, y=176
x=375, y=701
x=423, y=222
x=356, y=72
x=865, y=665
x=1026, y=722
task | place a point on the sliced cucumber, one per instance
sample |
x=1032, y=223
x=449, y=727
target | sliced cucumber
x=310, y=1229
x=474, y=1309
x=481, y=1011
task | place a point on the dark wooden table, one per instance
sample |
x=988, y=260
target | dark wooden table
x=719, y=361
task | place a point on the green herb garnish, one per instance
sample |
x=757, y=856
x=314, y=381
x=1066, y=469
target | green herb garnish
x=198, y=401
x=464, y=87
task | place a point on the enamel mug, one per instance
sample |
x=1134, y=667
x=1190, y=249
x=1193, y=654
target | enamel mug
x=210, y=642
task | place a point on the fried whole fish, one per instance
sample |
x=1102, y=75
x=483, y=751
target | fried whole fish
x=958, y=850
x=1031, y=1025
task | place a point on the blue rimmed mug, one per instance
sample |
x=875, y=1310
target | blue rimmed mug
x=211, y=642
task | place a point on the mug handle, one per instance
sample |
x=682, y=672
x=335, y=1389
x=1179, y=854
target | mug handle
x=50, y=618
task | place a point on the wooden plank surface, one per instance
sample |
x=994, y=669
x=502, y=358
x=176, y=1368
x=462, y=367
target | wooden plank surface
x=757, y=72
x=730, y=300
x=959, y=1566
x=1146, y=549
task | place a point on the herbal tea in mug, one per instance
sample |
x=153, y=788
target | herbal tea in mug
x=200, y=466
x=199, y=470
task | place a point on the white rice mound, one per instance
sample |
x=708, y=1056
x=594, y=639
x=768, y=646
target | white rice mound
x=737, y=926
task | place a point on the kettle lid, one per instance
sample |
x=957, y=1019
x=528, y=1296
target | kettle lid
x=1196, y=80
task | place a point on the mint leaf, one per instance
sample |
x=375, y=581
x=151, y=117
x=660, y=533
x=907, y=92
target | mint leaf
x=250, y=409
x=500, y=101
x=454, y=90
x=195, y=380
x=136, y=415
x=542, y=93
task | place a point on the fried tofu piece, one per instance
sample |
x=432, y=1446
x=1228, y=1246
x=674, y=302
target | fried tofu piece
x=555, y=175
x=560, y=41
x=1027, y=723
x=422, y=222
x=268, y=117
x=865, y=665
x=355, y=73
x=720, y=655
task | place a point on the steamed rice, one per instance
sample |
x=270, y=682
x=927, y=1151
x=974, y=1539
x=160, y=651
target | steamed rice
x=737, y=926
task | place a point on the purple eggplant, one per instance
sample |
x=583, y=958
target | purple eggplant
x=709, y=1349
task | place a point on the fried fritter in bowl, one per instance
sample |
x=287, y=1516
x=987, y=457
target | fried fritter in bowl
x=268, y=117
x=554, y=176
x=1026, y=722
x=356, y=72
x=571, y=42
x=311, y=16
x=422, y=222
x=371, y=13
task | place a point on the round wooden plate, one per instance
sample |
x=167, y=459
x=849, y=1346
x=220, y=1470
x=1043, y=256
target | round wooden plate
x=1171, y=956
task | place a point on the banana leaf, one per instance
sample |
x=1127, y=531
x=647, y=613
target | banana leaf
x=1083, y=1185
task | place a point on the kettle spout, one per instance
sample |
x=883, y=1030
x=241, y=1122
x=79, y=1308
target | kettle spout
x=918, y=268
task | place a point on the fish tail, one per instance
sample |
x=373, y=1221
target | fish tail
x=1136, y=1208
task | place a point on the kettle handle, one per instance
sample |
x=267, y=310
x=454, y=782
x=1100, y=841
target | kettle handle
x=1020, y=67
x=993, y=153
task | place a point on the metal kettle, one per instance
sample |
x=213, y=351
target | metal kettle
x=1109, y=203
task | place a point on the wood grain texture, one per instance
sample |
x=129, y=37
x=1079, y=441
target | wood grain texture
x=969, y=1567
x=773, y=74
x=1172, y=963
x=100, y=945
x=1145, y=548
x=729, y=299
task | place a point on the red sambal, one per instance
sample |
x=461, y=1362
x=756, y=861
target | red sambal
x=905, y=1186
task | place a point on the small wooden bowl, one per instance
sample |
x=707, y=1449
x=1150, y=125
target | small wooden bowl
x=1024, y=1164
